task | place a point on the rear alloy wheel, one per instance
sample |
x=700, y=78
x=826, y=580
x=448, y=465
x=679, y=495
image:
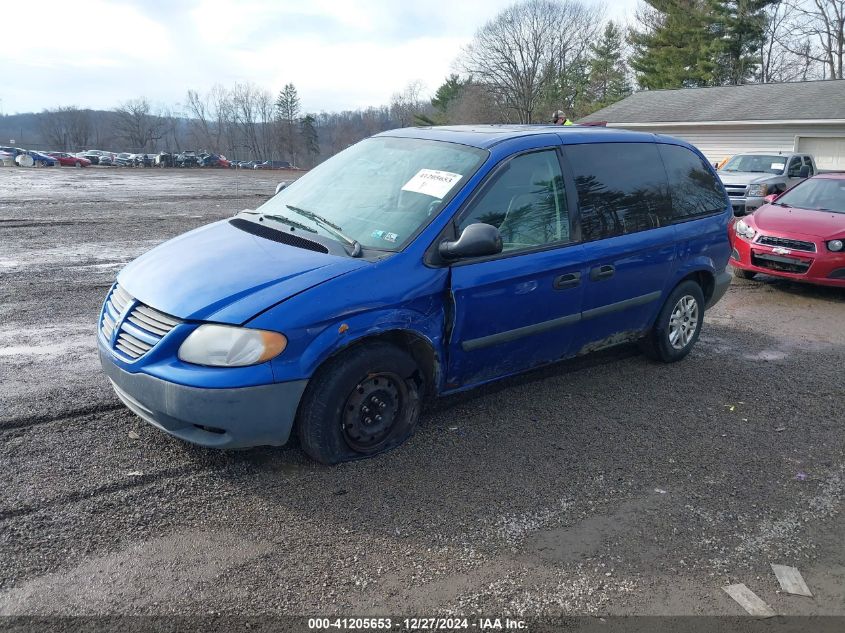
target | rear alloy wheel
x=678, y=325
x=77, y=164
x=359, y=403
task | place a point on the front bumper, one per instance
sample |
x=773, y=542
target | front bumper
x=720, y=287
x=216, y=418
x=821, y=267
x=744, y=205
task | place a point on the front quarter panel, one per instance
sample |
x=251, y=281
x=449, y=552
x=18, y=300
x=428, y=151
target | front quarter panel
x=393, y=295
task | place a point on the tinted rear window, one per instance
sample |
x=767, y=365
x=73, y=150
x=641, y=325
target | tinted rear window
x=694, y=189
x=622, y=188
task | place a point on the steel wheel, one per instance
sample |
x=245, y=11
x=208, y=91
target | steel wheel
x=684, y=322
x=372, y=410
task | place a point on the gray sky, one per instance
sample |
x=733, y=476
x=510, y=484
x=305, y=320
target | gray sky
x=342, y=54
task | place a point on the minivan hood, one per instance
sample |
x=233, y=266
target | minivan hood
x=743, y=177
x=221, y=273
x=777, y=219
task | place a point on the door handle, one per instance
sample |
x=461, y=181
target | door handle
x=602, y=272
x=569, y=280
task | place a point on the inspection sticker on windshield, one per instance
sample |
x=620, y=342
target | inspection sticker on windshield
x=432, y=182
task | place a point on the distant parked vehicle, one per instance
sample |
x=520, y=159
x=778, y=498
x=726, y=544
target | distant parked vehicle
x=143, y=160
x=7, y=159
x=70, y=160
x=42, y=159
x=14, y=151
x=124, y=160
x=748, y=178
x=94, y=155
x=164, y=159
x=107, y=160
x=187, y=159
x=273, y=164
x=213, y=160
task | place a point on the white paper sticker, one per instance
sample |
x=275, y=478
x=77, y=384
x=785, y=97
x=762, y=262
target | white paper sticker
x=432, y=182
x=778, y=166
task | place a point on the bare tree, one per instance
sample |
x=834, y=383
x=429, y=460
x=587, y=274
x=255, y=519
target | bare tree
x=521, y=53
x=821, y=24
x=137, y=125
x=66, y=127
x=408, y=103
x=473, y=104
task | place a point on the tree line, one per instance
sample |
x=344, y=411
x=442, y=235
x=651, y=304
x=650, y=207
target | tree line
x=532, y=58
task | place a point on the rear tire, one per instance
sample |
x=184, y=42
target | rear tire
x=678, y=325
x=744, y=274
x=360, y=403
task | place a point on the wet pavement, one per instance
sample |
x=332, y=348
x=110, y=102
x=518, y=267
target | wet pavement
x=605, y=485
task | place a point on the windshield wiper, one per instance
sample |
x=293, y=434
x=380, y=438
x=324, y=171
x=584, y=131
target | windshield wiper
x=783, y=204
x=292, y=223
x=330, y=226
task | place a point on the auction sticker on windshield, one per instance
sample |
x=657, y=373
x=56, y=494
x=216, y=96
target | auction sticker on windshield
x=432, y=182
x=778, y=166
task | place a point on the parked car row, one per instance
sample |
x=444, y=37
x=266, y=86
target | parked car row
x=267, y=164
x=187, y=158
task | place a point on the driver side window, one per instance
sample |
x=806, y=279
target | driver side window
x=794, y=167
x=526, y=201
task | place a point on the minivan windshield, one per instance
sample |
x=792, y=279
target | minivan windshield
x=818, y=194
x=379, y=192
x=756, y=163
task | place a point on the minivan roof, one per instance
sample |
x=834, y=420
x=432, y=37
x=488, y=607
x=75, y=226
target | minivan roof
x=486, y=136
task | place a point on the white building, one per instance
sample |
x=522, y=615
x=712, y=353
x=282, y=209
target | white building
x=723, y=121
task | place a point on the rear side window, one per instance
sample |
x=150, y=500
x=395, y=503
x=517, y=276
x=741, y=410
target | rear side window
x=694, y=189
x=621, y=188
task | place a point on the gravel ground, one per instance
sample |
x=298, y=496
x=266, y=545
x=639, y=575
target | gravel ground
x=606, y=485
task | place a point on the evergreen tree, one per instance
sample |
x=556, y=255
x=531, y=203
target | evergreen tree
x=674, y=48
x=608, y=71
x=287, y=104
x=740, y=33
x=310, y=139
x=287, y=114
x=447, y=92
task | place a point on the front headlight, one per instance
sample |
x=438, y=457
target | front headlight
x=228, y=346
x=835, y=245
x=758, y=191
x=743, y=230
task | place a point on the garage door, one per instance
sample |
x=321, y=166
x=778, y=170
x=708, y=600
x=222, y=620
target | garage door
x=829, y=152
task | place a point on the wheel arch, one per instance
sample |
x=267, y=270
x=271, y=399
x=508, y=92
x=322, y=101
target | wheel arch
x=421, y=348
x=704, y=278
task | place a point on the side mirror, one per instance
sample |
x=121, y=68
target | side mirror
x=805, y=171
x=281, y=186
x=770, y=198
x=476, y=240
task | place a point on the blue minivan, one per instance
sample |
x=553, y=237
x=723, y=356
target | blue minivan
x=416, y=263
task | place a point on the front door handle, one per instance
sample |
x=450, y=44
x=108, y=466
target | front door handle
x=569, y=280
x=602, y=272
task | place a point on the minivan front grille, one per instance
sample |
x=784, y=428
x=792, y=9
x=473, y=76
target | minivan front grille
x=139, y=327
x=783, y=242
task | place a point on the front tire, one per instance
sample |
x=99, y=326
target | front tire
x=362, y=402
x=678, y=325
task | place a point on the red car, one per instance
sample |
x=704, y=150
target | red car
x=69, y=160
x=798, y=235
